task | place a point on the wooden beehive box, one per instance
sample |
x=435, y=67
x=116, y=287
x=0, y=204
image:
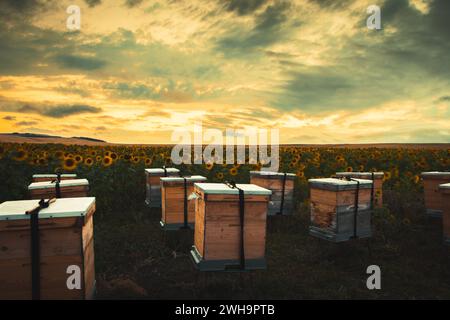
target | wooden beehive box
x=174, y=197
x=282, y=187
x=333, y=209
x=153, y=185
x=377, y=185
x=51, y=176
x=445, y=197
x=432, y=197
x=66, y=238
x=68, y=188
x=219, y=234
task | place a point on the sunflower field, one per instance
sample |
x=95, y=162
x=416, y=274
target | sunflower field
x=133, y=255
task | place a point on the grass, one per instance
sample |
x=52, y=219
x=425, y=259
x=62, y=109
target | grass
x=136, y=259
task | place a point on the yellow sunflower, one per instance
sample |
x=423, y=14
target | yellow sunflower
x=78, y=158
x=233, y=171
x=219, y=175
x=88, y=162
x=107, y=161
x=20, y=155
x=69, y=164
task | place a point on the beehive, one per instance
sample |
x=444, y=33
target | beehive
x=432, y=198
x=67, y=189
x=177, y=211
x=228, y=235
x=445, y=197
x=333, y=211
x=65, y=238
x=51, y=177
x=377, y=185
x=153, y=185
x=282, y=187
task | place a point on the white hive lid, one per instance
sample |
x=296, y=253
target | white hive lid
x=52, y=175
x=62, y=184
x=271, y=174
x=339, y=184
x=445, y=186
x=181, y=179
x=61, y=208
x=437, y=174
x=222, y=188
x=158, y=171
x=360, y=174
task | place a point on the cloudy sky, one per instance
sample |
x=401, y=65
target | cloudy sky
x=139, y=69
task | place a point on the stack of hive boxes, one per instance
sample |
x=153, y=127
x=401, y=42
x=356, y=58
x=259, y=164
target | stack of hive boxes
x=282, y=187
x=340, y=208
x=230, y=226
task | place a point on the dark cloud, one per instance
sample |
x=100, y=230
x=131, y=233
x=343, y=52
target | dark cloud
x=331, y=4
x=93, y=3
x=243, y=7
x=132, y=3
x=52, y=111
x=26, y=123
x=9, y=118
x=267, y=31
x=69, y=110
x=444, y=99
x=374, y=67
x=80, y=63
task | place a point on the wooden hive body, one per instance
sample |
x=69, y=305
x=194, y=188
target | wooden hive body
x=445, y=197
x=173, y=200
x=51, y=176
x=66, y=238
x=73, y=188
x=432, y=197
x=333, y=209
x=273, y=181
x=217, y=236
x=377, y=186
x=153, y=184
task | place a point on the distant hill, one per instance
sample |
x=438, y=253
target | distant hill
x=17, y=137
x=43, y=138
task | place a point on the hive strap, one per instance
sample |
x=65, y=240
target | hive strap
x=57, y=185
x=35, y=247
x=233, y=185
x=372, y=190
x=283, y=189
x=165, y=171
x=355, y=209
x=185, y=226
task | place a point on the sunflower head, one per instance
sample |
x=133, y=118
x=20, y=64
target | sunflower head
x=219, y=175
x=69, y=164
x=20, y=155
x=107, y=161
x=88, y=162
x=233, y=171
x=78, y=158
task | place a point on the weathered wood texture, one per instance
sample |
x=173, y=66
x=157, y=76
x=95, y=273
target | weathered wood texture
x=332, y=212
x=51, y=177
x=172, y=195
x=66, y=192
x=432, y=197
x=217, y=226
x=445, y=198
x=153, y=185
x=63, y=242
x=275, y=184
x=377, y=187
